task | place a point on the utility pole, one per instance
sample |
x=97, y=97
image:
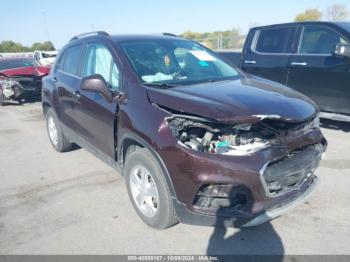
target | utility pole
x=46, y=30
x=222, y=41
x=218, y=43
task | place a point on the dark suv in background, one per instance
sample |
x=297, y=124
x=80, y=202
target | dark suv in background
x=196, y=140
x=311, y=57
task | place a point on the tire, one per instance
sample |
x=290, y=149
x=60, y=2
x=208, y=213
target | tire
x=160, y=213
x=58, y=141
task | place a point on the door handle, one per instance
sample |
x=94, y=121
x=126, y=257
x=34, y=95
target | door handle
x=76, y=95
x=54, y=79
x=250, y=62
x=298, y=64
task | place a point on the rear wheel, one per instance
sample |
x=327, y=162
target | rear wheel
x=59, y=142
x=148, y=190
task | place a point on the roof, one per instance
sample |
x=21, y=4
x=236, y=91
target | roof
x=345, y=25
x=124, y=38
x=306, y=23
x=47, y=52
x=121, y=38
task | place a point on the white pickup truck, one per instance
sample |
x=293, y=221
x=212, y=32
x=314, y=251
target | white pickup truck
x=45, y=58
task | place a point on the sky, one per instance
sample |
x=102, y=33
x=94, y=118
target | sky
x=28, y=21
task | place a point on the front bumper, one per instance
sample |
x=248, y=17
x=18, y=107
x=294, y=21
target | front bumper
x=193, y=172
x=28, y=85
x=278, y=211
x=188, y=217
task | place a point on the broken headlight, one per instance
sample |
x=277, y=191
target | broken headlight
x=206, y=136
x=315, y=123
x=301, y=129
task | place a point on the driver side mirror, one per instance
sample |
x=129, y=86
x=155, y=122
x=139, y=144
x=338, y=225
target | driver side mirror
x=342, y=50
x=97, y=83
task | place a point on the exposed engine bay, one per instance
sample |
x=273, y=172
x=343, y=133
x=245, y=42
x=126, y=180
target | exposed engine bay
x=10, y=89
x=18, y=88
x=241, y=139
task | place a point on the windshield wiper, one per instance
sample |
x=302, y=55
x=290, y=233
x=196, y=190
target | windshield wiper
x=218, y=80
x=159, y=85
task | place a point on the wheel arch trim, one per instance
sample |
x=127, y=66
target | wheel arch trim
x=145, y=144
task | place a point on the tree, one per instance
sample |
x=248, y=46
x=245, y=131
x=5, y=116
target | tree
x=13, y=47
x=310, y=14
x=337, y=12
x=229, y=39
x=46, y=46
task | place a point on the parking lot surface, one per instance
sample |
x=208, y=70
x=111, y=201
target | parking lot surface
x=72, y=203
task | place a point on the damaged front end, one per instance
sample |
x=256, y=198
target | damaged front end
x=10, y=90
x=285, y=156
x=203, y=135
x=19, y=87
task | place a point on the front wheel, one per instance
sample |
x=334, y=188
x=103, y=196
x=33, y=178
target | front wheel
x=148, y=189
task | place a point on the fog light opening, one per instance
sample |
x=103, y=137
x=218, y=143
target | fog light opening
x=222, y=198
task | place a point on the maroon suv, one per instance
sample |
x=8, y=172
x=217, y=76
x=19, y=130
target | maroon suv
x=196, y=140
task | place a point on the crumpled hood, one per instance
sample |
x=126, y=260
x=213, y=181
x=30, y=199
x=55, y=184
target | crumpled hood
x=244, y=100
x=27, y=71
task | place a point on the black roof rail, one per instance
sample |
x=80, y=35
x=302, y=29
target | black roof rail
x=170, y=34
x=102, y=33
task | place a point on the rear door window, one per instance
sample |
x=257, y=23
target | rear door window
x=275, y=40
x=71, y=63
x=319, y=40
